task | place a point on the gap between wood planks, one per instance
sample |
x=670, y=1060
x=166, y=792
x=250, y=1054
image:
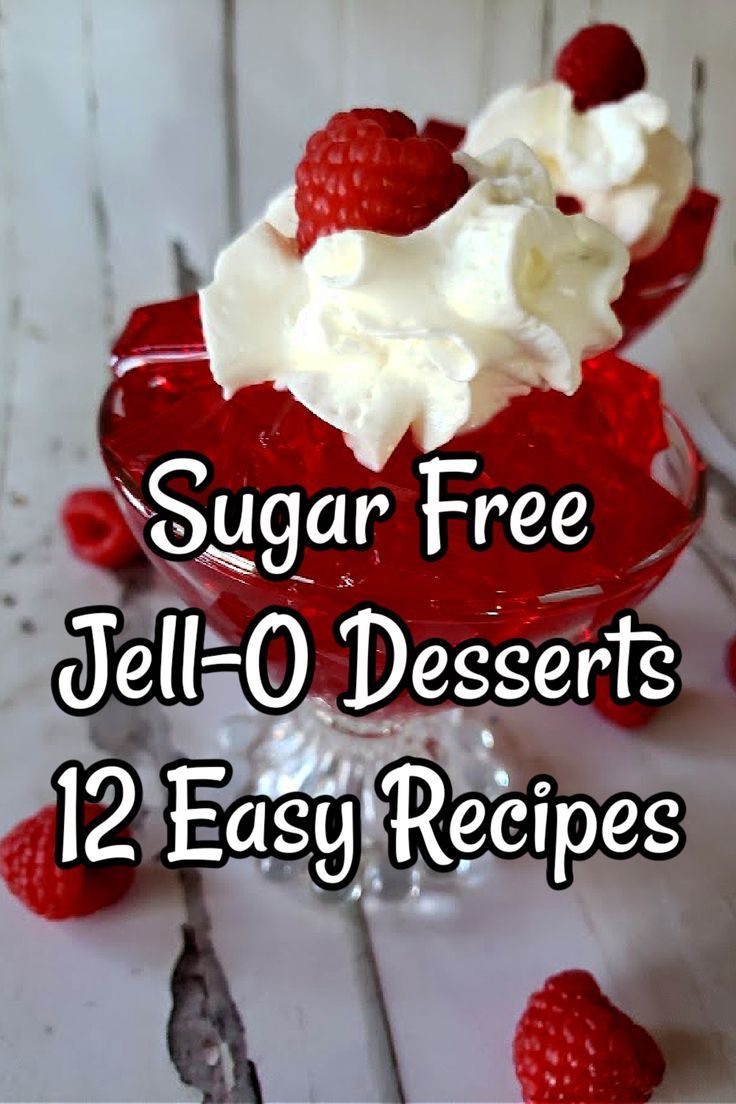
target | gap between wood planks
x=100, y=218
x=364, y=931
x=206, y=1037
x=205, y=1034
x=697, y=96
x=12, y=309
x=230, y=113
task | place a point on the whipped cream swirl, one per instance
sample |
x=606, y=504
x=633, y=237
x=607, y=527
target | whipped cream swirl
x=435, y=331
x=621, y=161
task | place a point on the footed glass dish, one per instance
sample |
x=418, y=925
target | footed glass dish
x=654, y=283
x=613, y=436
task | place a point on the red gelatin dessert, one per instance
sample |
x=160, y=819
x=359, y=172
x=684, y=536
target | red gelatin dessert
x=612, y=435
x=610, y=153
x=395, y=301
x=654, y=283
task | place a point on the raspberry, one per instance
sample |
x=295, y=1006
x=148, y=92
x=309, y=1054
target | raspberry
x=631, y=715
x=28, y=867
x=569, y=205
x=96, y=530
x=601, y=64
x=731, y=661
x=368, y=170
x=572, y=1044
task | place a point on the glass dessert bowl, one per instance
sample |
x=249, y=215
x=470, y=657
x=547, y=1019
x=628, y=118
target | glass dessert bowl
x=654, y=282
x=607, y=145
x=613, y=435
x=393, y=302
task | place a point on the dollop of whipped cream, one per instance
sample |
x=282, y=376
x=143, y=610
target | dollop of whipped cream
x=436, y=330
x=621, y=161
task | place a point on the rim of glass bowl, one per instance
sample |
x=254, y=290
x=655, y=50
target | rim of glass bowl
x=681, y=280
x=680, y=462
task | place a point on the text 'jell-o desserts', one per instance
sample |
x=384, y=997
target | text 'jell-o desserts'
x=607, y=145
x=397, y=301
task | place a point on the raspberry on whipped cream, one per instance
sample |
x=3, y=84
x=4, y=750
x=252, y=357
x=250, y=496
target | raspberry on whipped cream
x=435, y=330
x=621, y=161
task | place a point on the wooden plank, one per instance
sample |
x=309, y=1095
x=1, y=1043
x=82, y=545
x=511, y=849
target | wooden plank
x=423, y=56
x=514, y=43
x=101, y=170
x=8, y=273
x=289, y=79
x=708, y=346
x=659, y=937
x=102, y=986
x=87, y=1001
x=298, y=970
x=60, y=344
x=296, y=966
x=155, y=82
x=564, y=17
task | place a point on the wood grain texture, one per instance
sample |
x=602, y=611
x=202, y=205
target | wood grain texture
x=398, y=54
x=105, y=984
x=136, y=137
x=290, y=79
x=9, y=301
x=156, y=81
x=515, y=43
x=298, y=969
x=659, y=937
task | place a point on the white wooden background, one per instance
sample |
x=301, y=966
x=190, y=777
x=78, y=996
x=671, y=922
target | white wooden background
x=136, y=137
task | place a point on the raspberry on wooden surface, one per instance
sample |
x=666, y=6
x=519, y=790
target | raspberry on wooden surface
x=631, y=715
x=96, y=530
x=28, y=868
x=572, y=1044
